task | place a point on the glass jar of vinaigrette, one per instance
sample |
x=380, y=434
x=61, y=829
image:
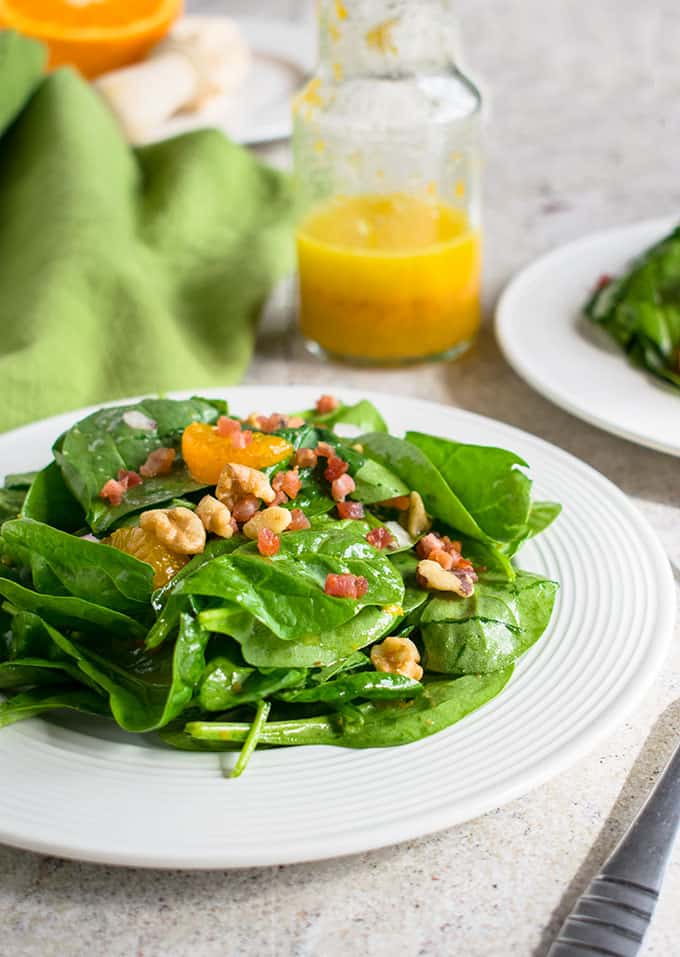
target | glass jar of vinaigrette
x=387, y=165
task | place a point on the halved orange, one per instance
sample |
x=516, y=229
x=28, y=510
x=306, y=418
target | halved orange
x=95, y=36
x=206, y=452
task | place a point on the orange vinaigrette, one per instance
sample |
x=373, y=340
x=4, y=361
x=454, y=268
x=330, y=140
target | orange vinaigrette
x=389, y=277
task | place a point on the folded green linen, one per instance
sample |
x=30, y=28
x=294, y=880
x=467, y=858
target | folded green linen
x=122, y=271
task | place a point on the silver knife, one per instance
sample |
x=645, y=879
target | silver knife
x=611, y=917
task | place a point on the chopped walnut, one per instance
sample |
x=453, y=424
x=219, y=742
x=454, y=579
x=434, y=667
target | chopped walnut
x=215, y=516
x=179, y=529
x=398, y=656
x=276, y=519
x=416, y=521
x=237, y=481
x=431, y=575
x=305, y=459
x=245, y=508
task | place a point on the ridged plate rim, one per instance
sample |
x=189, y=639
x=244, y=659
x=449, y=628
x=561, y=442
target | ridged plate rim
x=61, y=787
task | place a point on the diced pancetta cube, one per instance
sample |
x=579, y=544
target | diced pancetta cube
x=346, y=586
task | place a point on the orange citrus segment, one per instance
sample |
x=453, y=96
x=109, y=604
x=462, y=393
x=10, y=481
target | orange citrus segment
x=206, y=452
x=95, y=36
x=140, y=544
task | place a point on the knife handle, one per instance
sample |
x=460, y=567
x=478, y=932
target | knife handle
x=611, y=917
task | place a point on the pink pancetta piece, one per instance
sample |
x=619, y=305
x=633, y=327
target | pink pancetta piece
x=158, y=462
x=342, y=487
x=346, y=586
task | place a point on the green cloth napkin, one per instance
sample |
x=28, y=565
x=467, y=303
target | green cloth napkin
x=122, y=271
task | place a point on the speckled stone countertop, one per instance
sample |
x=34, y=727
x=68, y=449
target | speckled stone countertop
x=584, y=133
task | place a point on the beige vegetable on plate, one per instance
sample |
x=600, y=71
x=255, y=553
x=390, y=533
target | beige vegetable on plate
x=201, y=58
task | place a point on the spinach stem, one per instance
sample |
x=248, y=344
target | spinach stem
x=253, y=737
x=320, y=730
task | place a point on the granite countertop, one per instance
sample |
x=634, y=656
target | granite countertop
x=584, y=133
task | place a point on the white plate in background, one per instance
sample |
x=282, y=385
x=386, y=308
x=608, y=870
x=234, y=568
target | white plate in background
x=80, y=788
x=283, y=55
x=545, y=338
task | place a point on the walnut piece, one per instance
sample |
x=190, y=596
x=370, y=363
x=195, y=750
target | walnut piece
x=398, y=656
x=416, y=521
x=237, y=481
x=215, y=516
x=431, y=575
x=275, y=518
x=179, y=529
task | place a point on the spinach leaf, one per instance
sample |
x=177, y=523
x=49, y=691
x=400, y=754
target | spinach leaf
x=213, y=548
x=362, y=414
x=286, y=593
x=89, y=570
x=384, y=724
x=376, y=483
x=357, y=659
x=20, y=480
x=49, y=500
x=371, y=685
x=36, y=702
x=152, y=492
x=287, y=596
x=31, y=672
x=541, y=515
x=416, y=470
x=29, y=639
x=491, y=629
x=145, y=691
x=263, y=649
x=11, y=501
x=488, y=481
x=312, y=497
x=490, y=557
x=67, y=611
x=96, y=448
x=227, y=685
x=641, y=310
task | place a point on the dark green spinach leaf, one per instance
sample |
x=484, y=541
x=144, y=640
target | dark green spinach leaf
x=491, y=629
x=384, y=724
x=362, y=414
x=29, y=704
x=227, y=685
x=96, y=448
x=416, y=470
x=89, y=570
x=370, y=685
x=488, y=481
x=67, y=611
x=49, y=500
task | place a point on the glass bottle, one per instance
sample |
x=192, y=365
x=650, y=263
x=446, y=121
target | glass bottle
x=386, y=149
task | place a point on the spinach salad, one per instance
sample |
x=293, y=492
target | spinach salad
x=237, y=583
x=641, y=309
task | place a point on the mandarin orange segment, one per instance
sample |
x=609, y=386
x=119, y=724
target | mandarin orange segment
x=95, y=36
x=140, y=544
x=206, y=452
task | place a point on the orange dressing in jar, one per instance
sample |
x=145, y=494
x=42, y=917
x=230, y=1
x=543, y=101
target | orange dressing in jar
x=389, y=278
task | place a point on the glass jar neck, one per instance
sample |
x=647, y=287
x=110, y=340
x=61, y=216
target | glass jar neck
x=388, y=38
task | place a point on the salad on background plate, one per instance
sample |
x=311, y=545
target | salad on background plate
x=231, y=583
x=640, y=309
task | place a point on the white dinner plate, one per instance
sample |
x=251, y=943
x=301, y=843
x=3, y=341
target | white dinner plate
x=575, y=364
x=283, y=54
x=79, y=788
